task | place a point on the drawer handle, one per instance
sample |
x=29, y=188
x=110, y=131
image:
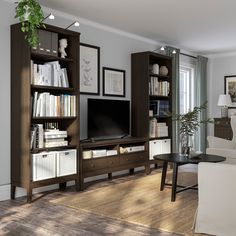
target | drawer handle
x=48, y=50
x=67, y=153
x=54, y=51
x=217, y=123
x=41, y=49
x=45, y=155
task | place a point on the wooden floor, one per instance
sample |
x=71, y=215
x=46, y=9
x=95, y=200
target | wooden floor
x=43, y=217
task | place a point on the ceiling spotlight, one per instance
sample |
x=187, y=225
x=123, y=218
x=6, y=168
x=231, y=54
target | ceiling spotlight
x=162, y=48
x=50, y=16
x=174, y=51
x=75, y=23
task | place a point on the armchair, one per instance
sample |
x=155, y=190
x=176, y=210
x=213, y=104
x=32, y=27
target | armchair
x=222, y=147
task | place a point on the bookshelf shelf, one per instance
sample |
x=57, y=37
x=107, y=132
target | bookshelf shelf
x=55, y=118
x=50, y=88
x=28, y=130
x=159, y=138
x=37, y=150
x=47, y=58
x=158, y=97
x=160, y=76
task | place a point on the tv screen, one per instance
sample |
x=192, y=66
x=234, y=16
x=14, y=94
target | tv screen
x=108, y=118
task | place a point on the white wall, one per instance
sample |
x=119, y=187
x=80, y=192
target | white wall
x=218, y=67
x=115, y=50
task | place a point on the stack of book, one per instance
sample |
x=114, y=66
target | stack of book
x=158, y=88
x=47, y=138
x=48, y=105
x=49, y=74
x=157, y=129
x=55, y=138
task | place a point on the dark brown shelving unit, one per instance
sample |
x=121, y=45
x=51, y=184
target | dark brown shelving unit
x=141, y=98
x=21, y=93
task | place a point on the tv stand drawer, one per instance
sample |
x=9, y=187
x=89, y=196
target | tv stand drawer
x=133, y=158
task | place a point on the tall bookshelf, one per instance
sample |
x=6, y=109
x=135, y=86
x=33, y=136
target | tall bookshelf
x=143, y=98
x=22, y=117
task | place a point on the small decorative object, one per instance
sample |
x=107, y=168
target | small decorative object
x=89, y=69
x=63, y=46
x=30, y=14
x=189, y=124
x=113, y=82
x=231, y=112
x=230, y=88
x=224, y=101
x=163, y=70
x=155, y=69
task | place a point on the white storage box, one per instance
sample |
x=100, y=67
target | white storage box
x=66, y=162
x=155, y=148
x=44, y=165
x=166, y=146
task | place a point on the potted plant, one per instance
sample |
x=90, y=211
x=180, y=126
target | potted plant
x=189, y=124
x=30, y=14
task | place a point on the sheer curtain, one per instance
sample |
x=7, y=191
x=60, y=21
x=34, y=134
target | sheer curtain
x=175, y=93
x=201, y=97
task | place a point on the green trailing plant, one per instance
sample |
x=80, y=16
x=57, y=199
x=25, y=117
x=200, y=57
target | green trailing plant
x=30, y=14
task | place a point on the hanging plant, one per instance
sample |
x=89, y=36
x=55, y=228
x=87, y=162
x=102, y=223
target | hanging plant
x=30, y=14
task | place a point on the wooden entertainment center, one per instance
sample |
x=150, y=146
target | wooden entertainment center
x=117, y=162
x=77, y=160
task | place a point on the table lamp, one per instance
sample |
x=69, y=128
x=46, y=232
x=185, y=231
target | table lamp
x=224, y=102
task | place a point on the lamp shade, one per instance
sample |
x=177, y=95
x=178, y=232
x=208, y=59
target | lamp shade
x=224, y=100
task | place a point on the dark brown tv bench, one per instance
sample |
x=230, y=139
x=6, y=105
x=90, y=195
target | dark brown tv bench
x=128, y=155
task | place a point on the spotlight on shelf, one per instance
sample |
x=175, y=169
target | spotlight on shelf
x=49, y=16
x=76, y=24
x=174, y=51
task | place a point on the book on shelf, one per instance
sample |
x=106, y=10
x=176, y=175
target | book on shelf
x=158, y=88
x=48, y=105
x=157, y=129
x=41, y=138
x=159, y=108
x=49, y=74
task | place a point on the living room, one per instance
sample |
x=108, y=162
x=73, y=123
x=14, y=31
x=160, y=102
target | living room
x=103, y=31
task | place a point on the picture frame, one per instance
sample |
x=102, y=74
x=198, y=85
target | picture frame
x=230, y=88
x=113, y=82
x=89, y=69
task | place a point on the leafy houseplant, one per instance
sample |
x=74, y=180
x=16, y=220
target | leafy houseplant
x=30, y=14
x=189, y=124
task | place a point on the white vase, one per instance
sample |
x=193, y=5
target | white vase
x=155, y=69
x=163, y=70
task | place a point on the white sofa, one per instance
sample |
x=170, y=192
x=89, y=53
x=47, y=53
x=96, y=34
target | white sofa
x=216, y=212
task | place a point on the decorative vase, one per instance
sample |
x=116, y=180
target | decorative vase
x=155, y=69
x=186, y=144
x=163, y=70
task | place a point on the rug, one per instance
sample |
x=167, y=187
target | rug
x=140, y=201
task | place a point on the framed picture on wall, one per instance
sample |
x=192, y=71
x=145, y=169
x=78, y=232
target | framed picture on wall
x=230, y=88
x=113, y=82
x=89, y=69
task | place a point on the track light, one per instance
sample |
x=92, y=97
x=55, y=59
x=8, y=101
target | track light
x=76, y=24
x=50, y=16
x=162, y=48
x=174, y=51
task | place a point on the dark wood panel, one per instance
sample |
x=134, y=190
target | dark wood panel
x=222, y=128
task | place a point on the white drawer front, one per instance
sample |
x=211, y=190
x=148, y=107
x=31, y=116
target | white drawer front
x=66, y=162
x=166, y=146
x=44, y=166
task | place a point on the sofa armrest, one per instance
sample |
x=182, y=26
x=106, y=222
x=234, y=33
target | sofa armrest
x=215, y=142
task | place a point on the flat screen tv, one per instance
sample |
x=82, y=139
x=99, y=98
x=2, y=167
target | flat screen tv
x=108, y=118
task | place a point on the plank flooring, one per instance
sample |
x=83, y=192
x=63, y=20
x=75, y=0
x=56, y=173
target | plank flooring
x=44, y=217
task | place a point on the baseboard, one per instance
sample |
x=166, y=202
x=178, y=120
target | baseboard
x=5, y=190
